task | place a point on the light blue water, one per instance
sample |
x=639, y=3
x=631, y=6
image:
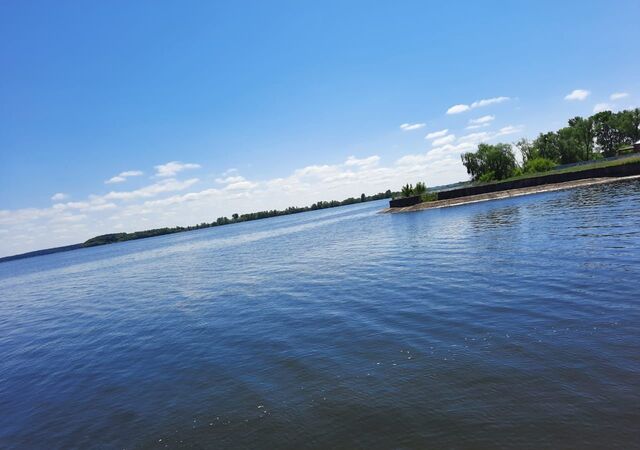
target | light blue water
x=505, y=324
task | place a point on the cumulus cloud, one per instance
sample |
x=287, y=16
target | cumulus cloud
x=411, y=126
x=437, y=134
x=618, y=95
x=489, y=101
x=364, y=162
x=482, y=120
x=599, y=107
x=577, y=95
x=94, y=204
x=228, y=172
x=460, y=108
x=171, y=168
x=59, y=196
x=457, y=109
x=122, y=176
x=240, y=185
x=168, y=185
x=509, y=129
x=229, y=180
x=444, y=140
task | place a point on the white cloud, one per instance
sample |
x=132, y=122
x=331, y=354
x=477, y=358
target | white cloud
x=618, y=95
x=122, y=176
x=436, y=134
x=489, y=101
x=577, y=94
x=68, y=218
x=599, y=107
x=444, y=140
x=59, y=196
x=170, y=169
x=482, y=120
x=411, y=126
x=230, y=179
x=476, y=138
x=240, y=185
x=168, y=185
x=228, y=172
x=457, y=109
x=510, y=129
x=364, y=162
x=131, y=173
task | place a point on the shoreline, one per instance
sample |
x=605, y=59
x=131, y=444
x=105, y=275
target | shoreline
x=507, y=194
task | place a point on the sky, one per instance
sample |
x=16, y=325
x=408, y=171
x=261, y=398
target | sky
x=123, y=116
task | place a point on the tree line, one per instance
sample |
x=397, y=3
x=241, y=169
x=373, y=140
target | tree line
x=235, y=218
x=601, y=135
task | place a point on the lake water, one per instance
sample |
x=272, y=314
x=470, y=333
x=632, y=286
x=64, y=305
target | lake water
x=504, y=324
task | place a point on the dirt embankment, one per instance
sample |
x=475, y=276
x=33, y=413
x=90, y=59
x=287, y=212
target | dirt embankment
x=508, y=193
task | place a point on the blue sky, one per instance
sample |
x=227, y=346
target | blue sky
x=214, y=108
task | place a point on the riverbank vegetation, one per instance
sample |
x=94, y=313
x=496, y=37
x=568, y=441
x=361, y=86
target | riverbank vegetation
x=235, y=218
x=602, y=135
x=409, y=190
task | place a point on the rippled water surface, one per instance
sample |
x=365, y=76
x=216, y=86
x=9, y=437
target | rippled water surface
x=505, y=324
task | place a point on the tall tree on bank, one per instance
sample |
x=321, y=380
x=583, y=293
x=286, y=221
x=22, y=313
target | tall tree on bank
x=584, y=134
x=608, y=134
x=490, y=162
x=629, y=124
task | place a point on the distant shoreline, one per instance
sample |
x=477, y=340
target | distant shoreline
x=508, y=194
x=114, y=238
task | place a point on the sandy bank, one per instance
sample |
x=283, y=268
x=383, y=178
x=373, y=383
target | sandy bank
x=508, y=193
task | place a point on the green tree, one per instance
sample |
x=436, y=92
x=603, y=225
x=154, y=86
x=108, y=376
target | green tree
x=609, y=137
x=490, y=162
x=547, y=145
x=569, y=145
x=420, y=188
x=527, y=150
x=584, y=134
x=363, y=197
x=407, y=190
x=629, y=124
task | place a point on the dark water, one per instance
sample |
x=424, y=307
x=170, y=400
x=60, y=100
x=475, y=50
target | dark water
x=506, y=324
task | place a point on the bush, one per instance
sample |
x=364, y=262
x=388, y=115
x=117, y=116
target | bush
x=407, y=190
x=487, y=177
x=537, y=165
x=420, y=188
x=429, y=196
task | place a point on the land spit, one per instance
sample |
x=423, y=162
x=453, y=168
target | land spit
x=508, y=193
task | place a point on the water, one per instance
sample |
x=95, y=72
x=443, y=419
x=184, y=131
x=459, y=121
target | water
x=505, y=324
